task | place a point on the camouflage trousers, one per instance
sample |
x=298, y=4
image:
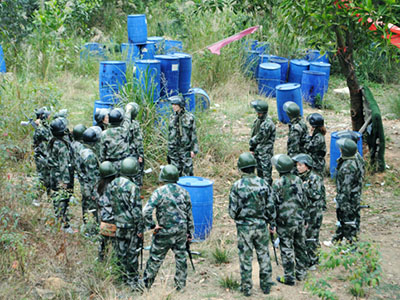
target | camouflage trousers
x=182, y=160
x=126, y=249
x=312, y=235
x=264, y=167
x=43, y=172
x=104, y=242
x=254, y=237
x=351, y=216
x=61, y=203
x=88, y=203
x=161, y=243
x=293, y=252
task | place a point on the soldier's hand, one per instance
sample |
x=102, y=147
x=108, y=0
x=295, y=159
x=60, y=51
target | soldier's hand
x=140, y=235
x=140, y=159
x=157, y=229
x=192, y=154
x=189, y=237
x=272, y=230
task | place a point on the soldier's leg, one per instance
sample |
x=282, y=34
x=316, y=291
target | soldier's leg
x=300, y=253
x=287, y=252
x=179, y=249
x=245, y=247
x=266, y=166
x=61, y=204
x=187, y=164
x=350, y=229
x=261, y=240
x=121, y=247
x=176, y=160
x=312, y=234
x=132, y=268
x=339, y=234
x=159, y=248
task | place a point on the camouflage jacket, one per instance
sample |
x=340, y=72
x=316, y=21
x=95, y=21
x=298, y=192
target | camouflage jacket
x=126, y=203
x=297, y=138
x=89, y=169
x=360, y=164
x=136, y=140
x=105, y=207
x=314, y=190
x=182, y=132
x=262, y=140
x=173, y=209
x=114, y=143
x=41, y=137
x=60, y=162
x=251, y=201
x=316, y=148
x=290, y=201
x=76, y=148
x=348, y=183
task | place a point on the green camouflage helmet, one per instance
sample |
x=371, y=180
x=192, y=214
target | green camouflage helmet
x=304, y=159
x=107, y=169
x=246, y=160
x=347, y=147
x=292, y=109
x=129, y=167
x=90, y=136
x=353, y=135
x=282, y=163
x=134, y=110
x=78, y=131
x=178, y=100
x=58, y=127
x=116, y=116
x=42, y=113
x=260, y=106
x=169, y=173
x=315, y=120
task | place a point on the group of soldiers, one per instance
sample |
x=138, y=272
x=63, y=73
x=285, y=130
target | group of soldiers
x=108, y=160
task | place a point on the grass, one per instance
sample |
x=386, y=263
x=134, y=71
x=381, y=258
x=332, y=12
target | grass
x=220, y=256
x=229, y=282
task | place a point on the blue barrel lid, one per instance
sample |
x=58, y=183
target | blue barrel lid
x=155, y=38
x=136, y=16
x=300, y=62
x=320, y=63
x=165, y=56
x=314, y=73
x=181, y=55
x=190, y=92
x=336, y=133
x=252, y=51
x=113, y=62
x=149, y=61
x=288, y=86
x=270, y=66
x=194, y=181
x=278, y=59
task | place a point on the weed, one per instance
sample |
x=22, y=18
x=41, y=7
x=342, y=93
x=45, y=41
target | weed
x=229, y=282
x=221, y=255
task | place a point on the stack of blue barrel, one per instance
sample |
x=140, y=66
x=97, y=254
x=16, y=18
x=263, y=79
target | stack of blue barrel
x=2, y=61
x=94, y=50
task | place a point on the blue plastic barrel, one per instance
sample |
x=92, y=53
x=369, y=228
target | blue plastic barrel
x=296, y=68
x=171, y=46
x=190, y=100
x=312, y=84
x=315, y=55
x=262, y=47
x=185, y=71
x=163, y=111
x=252, y=60
x=158, y=43
x=250, y=44
x=202, y=99
x=148, y=50
x=322, y=67
x=137, y=29
x=269, y=76
x=3, y=68
x=201, y=195
x=335, y=151
x=112, y=75
x=169, y=75
x=284, y=93
x=130, y=52
x=100, y=105
x=148, y=74
x=93, y=50
x=284, y=63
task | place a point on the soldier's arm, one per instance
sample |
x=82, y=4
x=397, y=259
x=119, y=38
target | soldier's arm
x=233, y=203
x=190, y=224
x=64, y=160
x=138, y=140
x=136, y=203
x=195, y=145
x=148, y=211
x=344, y=177
x=294, y=137
x=92, y=169
x=270, y=208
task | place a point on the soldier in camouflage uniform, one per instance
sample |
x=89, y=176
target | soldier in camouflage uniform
x=60, y=162
x=298, y=131
x=41, y=137
x=182, y=138
x=291, y=217
x=107, y=174
x=76, y=144
x=262, y=140
x=251, y=205
x=89, y=172
x=354, y=137
x=127, y=209
x=175, y=226
x=316, y=146
x=314, y=190
x=114, y=143
x=136, y=140
x=348, y=192
x=101, y=118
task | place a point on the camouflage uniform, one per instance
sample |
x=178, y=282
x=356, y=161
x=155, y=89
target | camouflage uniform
x=174, y=215
x=182, y=139
x=297, y=138
x=316, y=148
x=136, y=148
x=251, y=205
x=127, y=208
x=348, y=194
x=291, y=205
x=41, y=137
x=262, y=144
x=89, y=175
x=60, y=162
x=106, y=215
x=314, y=190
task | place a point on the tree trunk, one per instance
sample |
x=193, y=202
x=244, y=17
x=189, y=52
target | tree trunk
x=346, y=60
